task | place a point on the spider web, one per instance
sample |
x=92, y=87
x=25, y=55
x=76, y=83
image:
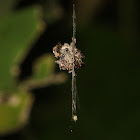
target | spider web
x=74, y=116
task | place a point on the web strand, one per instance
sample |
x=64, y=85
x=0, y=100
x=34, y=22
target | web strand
x=74, y=22
x=74, y=116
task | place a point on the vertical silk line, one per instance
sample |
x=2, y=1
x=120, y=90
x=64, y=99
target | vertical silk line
x=74, y=21
x=74, y=116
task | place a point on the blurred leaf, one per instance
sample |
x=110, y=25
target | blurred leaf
x=87, y=8
x=14, y=111
x=43, y=74
x=17, y=32
x=6, y=6
x=43, y=67
x=52, y=11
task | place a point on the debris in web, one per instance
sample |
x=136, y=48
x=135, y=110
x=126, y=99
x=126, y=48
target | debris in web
x=64, y=54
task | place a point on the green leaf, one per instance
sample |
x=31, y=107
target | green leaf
x=6, y=6
x=14, y=111
x=43, y=67
x=43, y=74
x=17, y=32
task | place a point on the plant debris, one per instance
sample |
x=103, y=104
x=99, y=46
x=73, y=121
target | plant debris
x=64, y=54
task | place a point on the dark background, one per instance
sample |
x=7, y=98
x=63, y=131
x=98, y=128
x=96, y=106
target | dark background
x=108, y=84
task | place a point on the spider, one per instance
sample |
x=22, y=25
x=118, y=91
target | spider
x=64, y=54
